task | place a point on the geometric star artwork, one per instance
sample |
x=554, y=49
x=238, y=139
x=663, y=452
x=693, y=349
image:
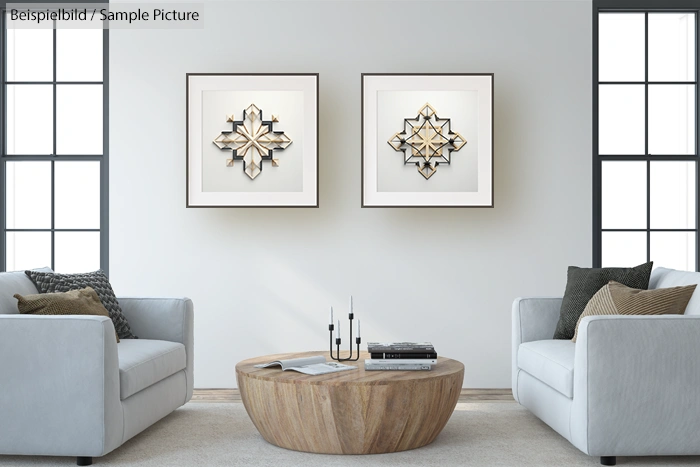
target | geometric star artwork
x=252, y=140
x=428, y=137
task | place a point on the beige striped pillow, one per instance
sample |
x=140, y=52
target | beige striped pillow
x=618, y=299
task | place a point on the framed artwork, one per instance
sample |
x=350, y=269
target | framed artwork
x=427, y=140
x=252, y=140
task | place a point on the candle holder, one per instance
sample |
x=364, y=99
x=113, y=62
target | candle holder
x=331, y=328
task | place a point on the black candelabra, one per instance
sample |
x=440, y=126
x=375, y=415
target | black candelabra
x=331, y=328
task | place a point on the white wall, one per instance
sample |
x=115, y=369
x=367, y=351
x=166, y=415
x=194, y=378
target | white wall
x=262, y=279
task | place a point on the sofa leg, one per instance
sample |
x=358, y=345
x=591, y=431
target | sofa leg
x=608, y=460
x=88, y=461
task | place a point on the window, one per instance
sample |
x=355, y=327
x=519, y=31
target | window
x=54, y=148
x=645, y=133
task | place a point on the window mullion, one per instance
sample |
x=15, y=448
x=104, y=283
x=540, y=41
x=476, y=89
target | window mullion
x=104, y=160
x=82, y=83
x=53, y=164
x=3, y=142
x=697, y=143
x=646, y=129
x=597, y=160
x=626, y=83
x=53, y=213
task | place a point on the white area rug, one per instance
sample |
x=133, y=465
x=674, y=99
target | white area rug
x=221, y=434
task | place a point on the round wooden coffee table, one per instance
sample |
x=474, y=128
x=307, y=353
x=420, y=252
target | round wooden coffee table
x=351, y=412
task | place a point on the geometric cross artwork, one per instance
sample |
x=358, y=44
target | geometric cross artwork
x=428, y=137
x=252, y=140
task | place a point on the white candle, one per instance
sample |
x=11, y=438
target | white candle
x=331, y=318
x=350, y=303
x=358, y=328
x=337, y=331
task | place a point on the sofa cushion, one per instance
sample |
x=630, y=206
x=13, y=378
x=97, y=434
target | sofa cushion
x=144, y=362
x=617, y=299
x=550, y=361
x=54, y=282
x=12, y=283
x=76, y=302
x=663, y=277
x=583, y=283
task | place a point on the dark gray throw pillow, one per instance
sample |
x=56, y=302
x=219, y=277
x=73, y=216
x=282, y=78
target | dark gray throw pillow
x=47, y=282
x=583, y=283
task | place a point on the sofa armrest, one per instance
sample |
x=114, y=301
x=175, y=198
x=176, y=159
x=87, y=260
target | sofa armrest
x=167, y=319
x=637, y=385
x=59, y=385
x=533, y=319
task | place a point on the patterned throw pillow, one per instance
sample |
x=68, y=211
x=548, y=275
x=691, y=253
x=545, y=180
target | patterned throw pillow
x=583, y=283
x=76, y=302
x=617, y=299
x=48, y=282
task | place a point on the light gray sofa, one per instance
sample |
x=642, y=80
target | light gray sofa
x=68, y=389
x=629, y=386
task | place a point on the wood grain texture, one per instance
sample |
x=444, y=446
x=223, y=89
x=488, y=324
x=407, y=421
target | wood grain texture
x=352, y=412
x=233, y=396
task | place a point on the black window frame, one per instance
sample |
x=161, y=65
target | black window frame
x=103, y=158
x=643, y=6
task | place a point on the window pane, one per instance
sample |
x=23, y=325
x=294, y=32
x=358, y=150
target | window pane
x=675, y=250
x=29, y=54
x=672, y=195
x=621, y=119
x=671, y=119
x=77, y=252
x=77, y=195
x=621, y=47
x=79, y=119
x=79, y=54
x=28, y=195
x=28, y=250
x=624, y=249
x=30, y=119
x=671, y=47
x=624, y=195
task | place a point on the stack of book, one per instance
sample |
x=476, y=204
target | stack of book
x=400, y=356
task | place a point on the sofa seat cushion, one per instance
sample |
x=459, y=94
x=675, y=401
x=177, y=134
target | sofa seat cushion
x=144, y=362
x=550, y=361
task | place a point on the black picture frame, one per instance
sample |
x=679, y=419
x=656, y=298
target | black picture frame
x=491, y=158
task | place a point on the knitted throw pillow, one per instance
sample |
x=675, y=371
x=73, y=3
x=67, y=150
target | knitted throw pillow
x=47, y=282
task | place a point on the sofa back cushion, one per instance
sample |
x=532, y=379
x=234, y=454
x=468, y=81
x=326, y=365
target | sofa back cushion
x=12, y=283
x=662, y=278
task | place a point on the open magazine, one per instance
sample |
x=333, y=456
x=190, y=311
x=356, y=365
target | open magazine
x=309, y=365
